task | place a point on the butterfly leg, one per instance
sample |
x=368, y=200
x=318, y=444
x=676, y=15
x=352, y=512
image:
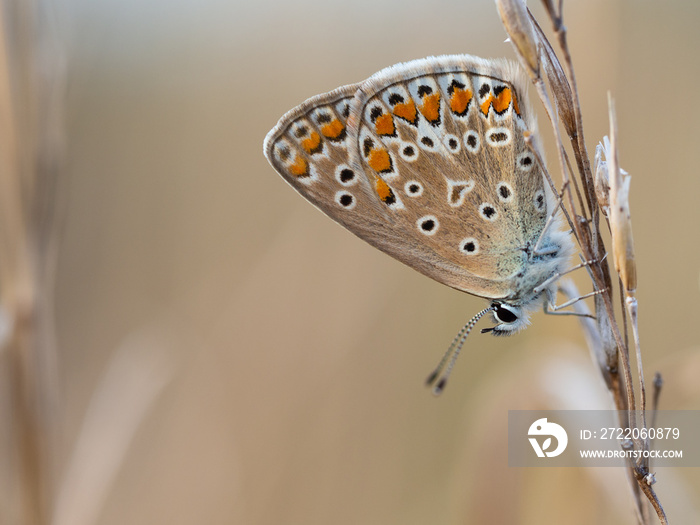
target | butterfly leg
x=551, y=308
x=551, y=296
x=558, y=275
x=554, y=312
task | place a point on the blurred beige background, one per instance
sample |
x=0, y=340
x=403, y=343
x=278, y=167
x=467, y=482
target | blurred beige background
x=295, y=353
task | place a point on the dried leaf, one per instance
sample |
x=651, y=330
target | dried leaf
x=558, y=82
x=516, y=21
x=602, y=179
x=620, y=218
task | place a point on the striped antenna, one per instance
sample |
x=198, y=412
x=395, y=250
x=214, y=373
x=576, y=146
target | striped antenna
x=444, y=372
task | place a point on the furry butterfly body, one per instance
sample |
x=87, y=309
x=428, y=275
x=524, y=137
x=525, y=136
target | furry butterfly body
x=428, y=161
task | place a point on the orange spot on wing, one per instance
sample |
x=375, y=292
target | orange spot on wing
x=383, y=190
x=431, y=107
x=486, y=105
x=311, y=143
x=501, y=103
x=300, y=168
x=460, y=100
x=406, y=111
x=333, y=129
x=516, y=107
x=379, y=160
x=384, y=125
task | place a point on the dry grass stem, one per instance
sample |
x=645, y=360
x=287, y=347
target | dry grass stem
x=31, y=159
x=135, y=376
x=26, y=52
x=584, y=199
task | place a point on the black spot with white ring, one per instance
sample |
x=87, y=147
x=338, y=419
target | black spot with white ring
x=504, y=191
x=345, y=176
x=471, y=141
x=451, y=143
x=408, y=152
x=525, y=161
x=413, y=188
x=428, y=142
x=345, y=199
x=498, y=137
x=428, y=224
x=488, y=212
x=469, y=246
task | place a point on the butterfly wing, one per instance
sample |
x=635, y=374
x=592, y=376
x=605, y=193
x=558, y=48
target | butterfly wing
x=309, y=147
x=431, y=167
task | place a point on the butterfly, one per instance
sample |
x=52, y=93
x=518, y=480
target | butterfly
x=436, y=162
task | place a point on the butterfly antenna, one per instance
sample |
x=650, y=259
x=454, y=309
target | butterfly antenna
x=453, y=350
x=433, y=376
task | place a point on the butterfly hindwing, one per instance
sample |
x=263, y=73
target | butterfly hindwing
x=453, y=131
x=309, y=148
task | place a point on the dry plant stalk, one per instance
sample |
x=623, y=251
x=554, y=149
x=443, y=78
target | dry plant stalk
x=584, y=198
x=30, y=152
x=31, y=148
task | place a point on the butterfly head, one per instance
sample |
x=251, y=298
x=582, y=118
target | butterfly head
x=510, y=319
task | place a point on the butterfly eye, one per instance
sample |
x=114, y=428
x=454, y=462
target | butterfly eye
x=504, y=315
